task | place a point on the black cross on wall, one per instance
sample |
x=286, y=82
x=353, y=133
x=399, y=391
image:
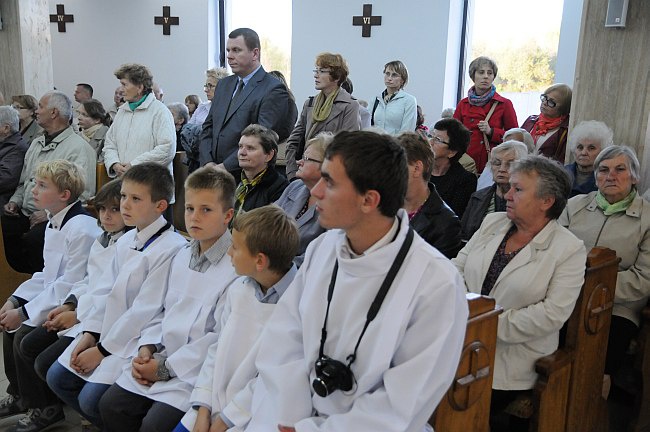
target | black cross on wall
x=366, y=21
x=61, y=18
x=166, y=20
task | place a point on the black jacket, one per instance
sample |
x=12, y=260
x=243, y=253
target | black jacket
x=477, y=210
x=12, y=157
x=455, y=187
x=438, y=225
x=265, y=192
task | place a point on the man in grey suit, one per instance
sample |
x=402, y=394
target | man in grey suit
x=249, y=96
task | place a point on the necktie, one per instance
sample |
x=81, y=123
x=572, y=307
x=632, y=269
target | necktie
x=236, y=96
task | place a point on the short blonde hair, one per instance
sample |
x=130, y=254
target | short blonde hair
x=65, y=175
x=564, y=104
x=270, y=231
x=480, y=61
x=217, y=73
x=320, y=143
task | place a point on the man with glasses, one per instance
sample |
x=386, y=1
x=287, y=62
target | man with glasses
x=249, y=96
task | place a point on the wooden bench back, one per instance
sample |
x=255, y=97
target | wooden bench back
x=101, y=176
x=466, y=406
x=180, y=175
x=568, y=394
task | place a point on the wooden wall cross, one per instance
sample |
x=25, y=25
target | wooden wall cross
x=61, y=18
x=166, y=20
x=366, y=21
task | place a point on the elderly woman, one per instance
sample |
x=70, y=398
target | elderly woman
x=532, y=266
x=26, y=105
x=143, y=129
x=260, y=183
x=449, y=139
x=484, y=111
x=429, y=216
x=331, y=110
x=617, y=217
x=514, y=134
x=492, y=198
x=296, y=199
x=181, y=116
x=213, y=76
x=586, y=141
x=394, y=110
x=549, y=128
x=192, y=102
x=93, y=124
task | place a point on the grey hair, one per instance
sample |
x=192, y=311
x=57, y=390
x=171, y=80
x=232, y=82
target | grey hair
x=553, y=181
x=592, y=130
x=616, y=150
x=179, y=110
x=9, y=115
x=320, y=142
x=528, y=138
x=61, y=102
x=516, y=147
x=447, y=113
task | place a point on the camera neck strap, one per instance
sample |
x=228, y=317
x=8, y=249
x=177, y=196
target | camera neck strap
x=376, y=303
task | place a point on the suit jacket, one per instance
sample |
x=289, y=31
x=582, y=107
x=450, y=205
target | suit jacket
x=292, y=201
x=537, y=290
x=264, y=101
x=344, y=116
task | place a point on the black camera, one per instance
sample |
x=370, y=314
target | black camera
x=331, y=375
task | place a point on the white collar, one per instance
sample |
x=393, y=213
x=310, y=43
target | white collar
x=386, y=239
x=141, y=237
x=57, y=220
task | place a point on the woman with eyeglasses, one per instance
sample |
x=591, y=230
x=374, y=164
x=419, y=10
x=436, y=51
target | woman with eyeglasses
x=331, y=110
x=395, y=111
x=484, y=112
x=26, y=106
x=549, y=128
x=492, y=198
x=296, y=200
x=213, y=76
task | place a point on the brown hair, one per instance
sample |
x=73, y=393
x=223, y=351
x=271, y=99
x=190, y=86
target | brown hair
x=417, y=149
x=214, y=179
x=138, y=75
x=336, y=64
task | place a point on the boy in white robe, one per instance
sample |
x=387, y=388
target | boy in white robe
x=152, y=393
x=127, y=297
x=265, y=241
x=68, y=238
x=325, y=364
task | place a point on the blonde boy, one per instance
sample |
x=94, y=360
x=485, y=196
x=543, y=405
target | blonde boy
x=69, y=235
x=265, y=241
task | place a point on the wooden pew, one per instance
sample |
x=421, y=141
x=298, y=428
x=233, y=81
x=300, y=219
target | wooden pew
x=466, y=406
x=101, y=176
x=568, y=393
x=9, y=278
x=180, y=175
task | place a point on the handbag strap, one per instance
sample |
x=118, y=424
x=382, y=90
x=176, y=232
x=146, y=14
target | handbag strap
x=486, y=141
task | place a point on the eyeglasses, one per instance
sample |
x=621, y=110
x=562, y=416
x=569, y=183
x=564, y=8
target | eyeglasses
x=500, y=163
x=306, y=159
x=439, y=140
x=209, y=86
x=549, y=102
x=320, y=71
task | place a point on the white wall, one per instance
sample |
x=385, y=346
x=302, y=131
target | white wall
x=417, y=32
x=567, y=51
x=106, y=34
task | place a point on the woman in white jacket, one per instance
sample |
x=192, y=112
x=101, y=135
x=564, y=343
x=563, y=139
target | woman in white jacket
x=395, y=111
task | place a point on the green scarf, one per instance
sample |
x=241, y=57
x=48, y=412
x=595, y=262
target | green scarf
x=617, y=207
x=245, y=187
x=323, y=106
x=134, y=105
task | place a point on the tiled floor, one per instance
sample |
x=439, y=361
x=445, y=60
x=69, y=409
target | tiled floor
x=71, y=423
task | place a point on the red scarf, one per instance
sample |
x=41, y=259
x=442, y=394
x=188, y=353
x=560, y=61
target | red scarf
x=545, y=124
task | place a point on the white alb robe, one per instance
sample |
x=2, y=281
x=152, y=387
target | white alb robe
x=406, y=359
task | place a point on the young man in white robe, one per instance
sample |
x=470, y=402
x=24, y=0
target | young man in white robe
x=129, y=295
x=319, y=368
x=69, y=235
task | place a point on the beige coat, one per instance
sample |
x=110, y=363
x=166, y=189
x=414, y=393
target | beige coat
x=537, y=290
x=344, y=116
x=629, y=235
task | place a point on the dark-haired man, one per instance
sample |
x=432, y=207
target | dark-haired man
x=325, y=363
x=83, y=92
x=248, y=96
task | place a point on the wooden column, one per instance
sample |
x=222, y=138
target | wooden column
x=612, y=81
